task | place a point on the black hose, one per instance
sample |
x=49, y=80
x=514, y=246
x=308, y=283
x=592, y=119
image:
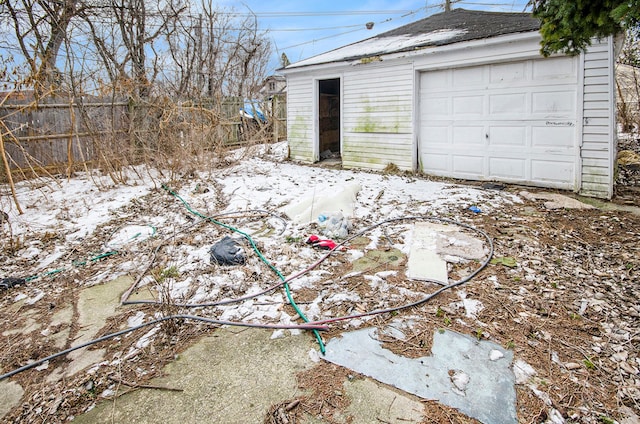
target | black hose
x=445, y=285
x=313, y=325
x=157, y=321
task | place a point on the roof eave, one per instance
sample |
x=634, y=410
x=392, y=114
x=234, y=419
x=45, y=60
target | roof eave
x=417, y=50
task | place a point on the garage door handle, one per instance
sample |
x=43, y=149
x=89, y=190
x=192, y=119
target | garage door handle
x=486, y=136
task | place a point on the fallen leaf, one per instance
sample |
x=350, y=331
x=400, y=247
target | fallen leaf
x=505, y=260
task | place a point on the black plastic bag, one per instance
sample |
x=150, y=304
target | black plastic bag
x=227, y=252
x=9, y=282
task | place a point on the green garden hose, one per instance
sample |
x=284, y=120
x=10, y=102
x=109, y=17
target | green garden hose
x=260, y=255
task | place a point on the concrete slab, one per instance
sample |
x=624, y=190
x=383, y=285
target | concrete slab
x=63, y=317
x=378, y=260
x=470, y=375
x=231, y=377
x=372, y=403
x=457, y=245
x=29, y=325
x=235, y=376
x=555, y=200
x=95, y=305
x=10, y=395
x=424, y=262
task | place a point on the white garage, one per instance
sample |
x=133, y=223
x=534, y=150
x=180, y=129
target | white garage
x=514, y=122
x=462, y=94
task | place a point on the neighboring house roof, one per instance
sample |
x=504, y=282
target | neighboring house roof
x=275, y=78
x=273, y=84
x=436, y=30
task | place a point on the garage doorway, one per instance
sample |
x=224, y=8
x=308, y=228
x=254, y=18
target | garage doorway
x=329, y=118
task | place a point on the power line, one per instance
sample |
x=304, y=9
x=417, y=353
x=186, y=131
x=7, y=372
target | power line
x=322, y=38
x=312, y=29
x=323, y=13
x=361, y=27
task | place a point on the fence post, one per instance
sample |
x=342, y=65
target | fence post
x=72, y=118
x=9, y=176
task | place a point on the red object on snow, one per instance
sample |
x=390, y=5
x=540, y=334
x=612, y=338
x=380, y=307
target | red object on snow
x=313, y=239
x=325, y=244
x=319, y=243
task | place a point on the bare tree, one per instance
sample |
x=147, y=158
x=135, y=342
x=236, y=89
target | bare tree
x=40, y=28
x=218, y=53
x=136, y=34
x=628, y=80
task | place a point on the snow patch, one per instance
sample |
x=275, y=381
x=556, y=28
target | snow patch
x=380, y=45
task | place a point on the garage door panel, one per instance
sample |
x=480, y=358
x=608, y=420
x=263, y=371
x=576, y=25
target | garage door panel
x=508, y=136
x=515, y=103
x=554, y=69
x=436, y=80
x=551, y=171
x=508, y=72
x=557, y=137
x=561, y=103
x=437, y=163
x=469, y=105
x=468, y=77
x=468, y=135
x=468, y=165
x=435, y=135
x=515, y=121
x=507, y=168
x=437, y=106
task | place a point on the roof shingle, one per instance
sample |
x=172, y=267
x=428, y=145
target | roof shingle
x=436, y=30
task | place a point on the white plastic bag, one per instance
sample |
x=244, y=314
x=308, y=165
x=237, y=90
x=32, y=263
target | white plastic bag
x=334, y=225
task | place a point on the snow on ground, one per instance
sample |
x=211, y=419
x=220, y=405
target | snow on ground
x=75, y=206
x=75, y=210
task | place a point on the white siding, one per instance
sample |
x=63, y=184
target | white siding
x=598, y=147
x=378, y=116
x=378, y=121
x=300, y=97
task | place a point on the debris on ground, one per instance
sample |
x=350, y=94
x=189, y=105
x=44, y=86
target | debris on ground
x=629, y=159
x=320, y=243
x=334, y=224
x=470, y=375
x=227, y=252
x=555, y=200
x=10, y=282
x=338, y=199
x=627, y=183
x=561, y=297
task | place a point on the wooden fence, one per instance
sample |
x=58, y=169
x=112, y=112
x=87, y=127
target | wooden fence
x=60, y=135
x=52, y=133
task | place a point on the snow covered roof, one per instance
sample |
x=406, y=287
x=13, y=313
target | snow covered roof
x=436, y=30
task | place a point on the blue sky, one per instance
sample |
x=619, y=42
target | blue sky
x=302, y=29
x=305, y=29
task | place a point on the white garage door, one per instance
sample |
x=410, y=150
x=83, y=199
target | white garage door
x=512, y=122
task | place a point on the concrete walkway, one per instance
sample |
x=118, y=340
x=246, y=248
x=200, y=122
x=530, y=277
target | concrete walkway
x=235, y=376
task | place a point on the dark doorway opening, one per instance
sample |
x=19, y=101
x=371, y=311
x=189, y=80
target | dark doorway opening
x=329, y=118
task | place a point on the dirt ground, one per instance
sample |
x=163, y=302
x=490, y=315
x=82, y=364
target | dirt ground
x=569, y=308
x=563, y=292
